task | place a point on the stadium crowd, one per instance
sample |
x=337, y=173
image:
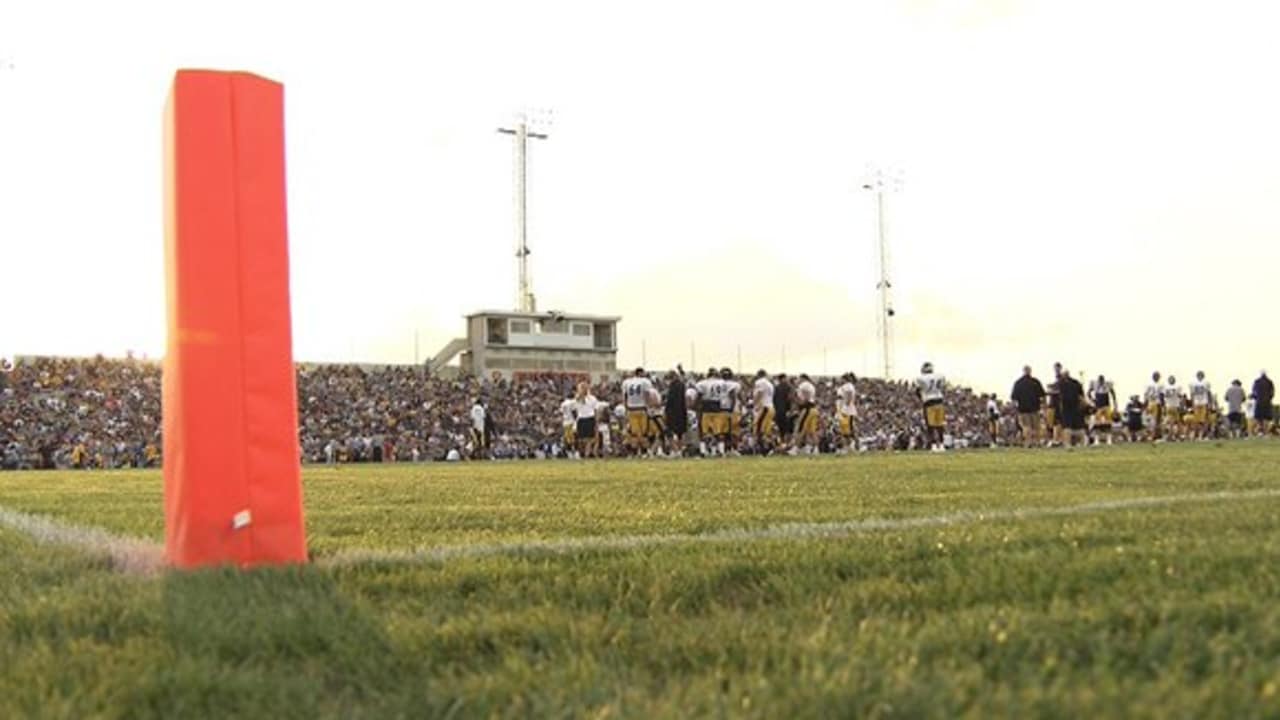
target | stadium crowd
x=105, y=413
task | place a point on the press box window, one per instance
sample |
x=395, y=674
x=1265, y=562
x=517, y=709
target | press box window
x=603, y=336
x=497, y=331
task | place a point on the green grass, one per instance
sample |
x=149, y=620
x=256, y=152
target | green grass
x=1160, y=612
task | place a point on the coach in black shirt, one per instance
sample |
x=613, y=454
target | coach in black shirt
x=1264, y=393
x=1071, y=395
x=782, y=408
x=1028, y=394
x=677, y=411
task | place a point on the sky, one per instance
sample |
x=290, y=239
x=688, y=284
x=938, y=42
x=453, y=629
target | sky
x=1095, y=183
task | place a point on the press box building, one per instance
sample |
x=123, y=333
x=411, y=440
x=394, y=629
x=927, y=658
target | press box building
x=514, y=344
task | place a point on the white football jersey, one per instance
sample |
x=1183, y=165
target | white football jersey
x=847, y=400
x=931, y=386
x=1199, y=393
x=568, y=411
x=635, y=391
x=729, y=400
x=712, y=391
x=806, y=392
x=762, y=394
x=1172, y=396
x=653, y=398
x=1154, y=392
x=477, y=417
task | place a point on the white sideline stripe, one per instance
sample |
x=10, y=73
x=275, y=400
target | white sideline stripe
x=787, y=531
x=143, y=557
x=126, y=554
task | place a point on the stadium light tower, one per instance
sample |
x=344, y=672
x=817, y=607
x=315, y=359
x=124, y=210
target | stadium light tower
x=521, y=131
x=879, y=183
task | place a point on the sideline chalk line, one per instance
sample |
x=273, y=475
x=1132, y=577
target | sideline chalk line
x=144, y=557
x=134, y=556
x=786, y=531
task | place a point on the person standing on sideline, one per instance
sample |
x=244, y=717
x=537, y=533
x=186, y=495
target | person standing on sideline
x=635, y=393
x=847, y=414
x=762, y=393
x=676, y=410
x=930, y=388
x=1103, y=394
x=782, y=411
x=1172, y=410
x=1264, y=393
x=569, y=419
x=1235, y=398
x=1053, y=414
x=993, y=419
x=807, y=422
x=1071, y=395
x=1201, y=399
x=1133, y=418
x=479, y=438
x=1028, y=395
x=1155, y=408
x=584, y=407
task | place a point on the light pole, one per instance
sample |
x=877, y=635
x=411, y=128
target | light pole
x=879, y=183
x=525, y=301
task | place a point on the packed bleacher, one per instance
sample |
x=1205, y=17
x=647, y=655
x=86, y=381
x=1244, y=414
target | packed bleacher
x=105, y=413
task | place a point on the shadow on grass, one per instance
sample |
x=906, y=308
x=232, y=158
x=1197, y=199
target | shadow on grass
x=273, y=643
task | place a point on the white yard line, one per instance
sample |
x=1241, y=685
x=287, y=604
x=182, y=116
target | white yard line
x=138, y=556
x=787, y=531
x=130, y=555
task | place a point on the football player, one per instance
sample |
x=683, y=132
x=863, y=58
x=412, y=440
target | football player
x=762, y=413
x=847, y=414
x=713, y=425
x=993, y=419
x=1172, y=409
x=1053, y=414
x=1103, y=394
x=806, y=416
x=569, y=417
x=635, y=394
x=731, y=406
x=1155, y=406
x=930, y=388
x=656, y=430
x=1201, y=397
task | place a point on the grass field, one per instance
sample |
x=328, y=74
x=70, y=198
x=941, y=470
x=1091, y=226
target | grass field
x=1009, y=586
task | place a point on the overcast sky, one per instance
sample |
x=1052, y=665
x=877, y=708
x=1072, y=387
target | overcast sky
x=1090, y=182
